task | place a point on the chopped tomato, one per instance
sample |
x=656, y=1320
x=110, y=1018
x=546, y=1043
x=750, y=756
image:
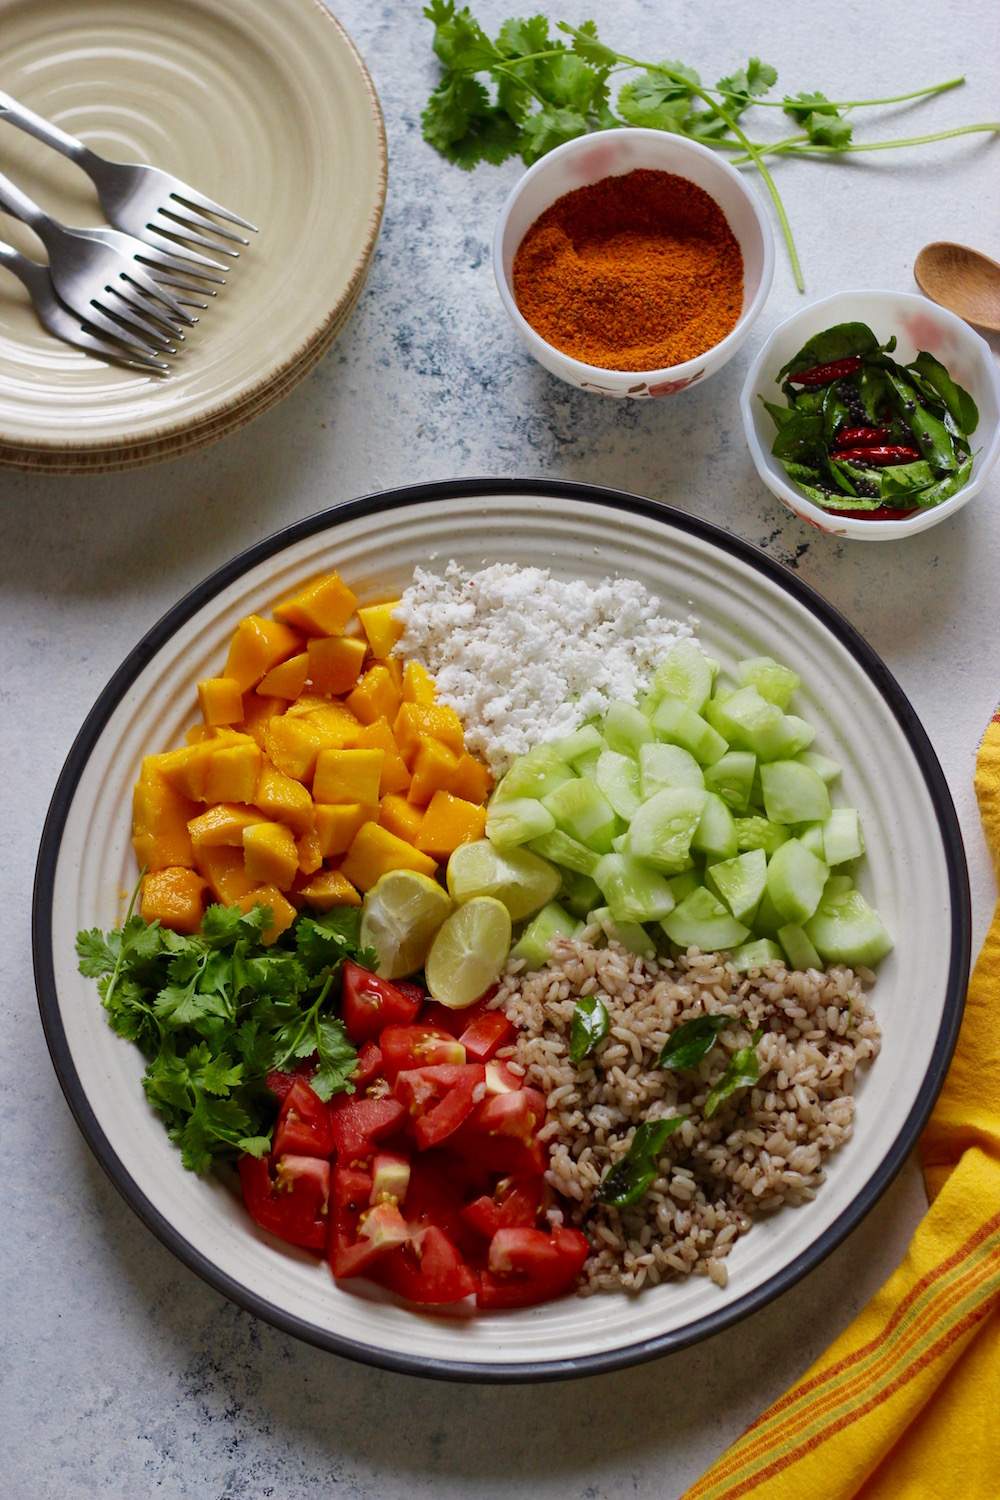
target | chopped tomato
x=303, y=1123
x=369, y=1065
x=501, y=1078
x=428, y=1270
x=485, y=1034
x=368, y=1003
x=294, y=1206
x=359, y=1234
x=443, y=1017
x=356, y=1124
x=417, y=1047
x=280, y=1082
x=514, y=1204
x=501, y=1134
x=390, y=1177
x=436, y=1193
x=412, y=991
x=528, y=1266
x=439, y=1098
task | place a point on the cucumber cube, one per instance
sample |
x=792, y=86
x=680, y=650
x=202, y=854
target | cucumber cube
x=667, y=765
x=740, y=882
x=534, y=775
x=619, y=841
x=533, y=944
x=758, y=833
x=567, y=852
x=617, y=777
x=773, y=681
x=811, y=834
x=683, y=885
x=701, y=921
x=732, y=778
x=838, y=884
x=798, y=949
x=580, y=742
x=846, y=930
x=828, y=770
x=662, y=829
x=579, y=894
x=676, y=721
x=756, y=955
x=629, y=934
x=517, y=821
x=768, y=918
x=633, y=891
x=626, y=728
x=586, y=765
x=795, y=735
x=583, y=812
x=749, y=722
x=795, y=881
x=842, y=836
x=793, y=793
x=686, y=673
x=715, y=836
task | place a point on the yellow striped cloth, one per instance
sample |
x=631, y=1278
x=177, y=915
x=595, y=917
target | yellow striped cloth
x=904, y=1406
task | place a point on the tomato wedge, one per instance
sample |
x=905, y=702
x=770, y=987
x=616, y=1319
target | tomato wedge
x=428, y=1270
x=303, y=1123
x=359, y=1234
x=501, y=1135
x=295, y=1205
x=528, y=1266
x=368, y=1003
x=439, y=1098
x=483, y=1036
x=514, y=1204
x=279, y=1082
x=369, y=1065
x=356, y=1124
x=417, y=1047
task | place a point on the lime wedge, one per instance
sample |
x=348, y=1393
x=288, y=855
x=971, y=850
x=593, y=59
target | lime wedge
x=523, y=881
x=468, y=952
x=402, y=912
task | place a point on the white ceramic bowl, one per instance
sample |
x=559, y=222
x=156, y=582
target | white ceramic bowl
x=746, y=603
x=917, y=324
x=610, y=154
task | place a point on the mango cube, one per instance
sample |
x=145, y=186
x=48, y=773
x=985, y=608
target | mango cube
x=434, y=770
x=287, y=679
x=322, y=608
x=422, y=721
x=327, y=889
x=221, y=700
x=378, y=736
x=471, y=780
x=334, y=662
x=256, y=713
x=284, y=800
x=185, y=770
x=348, y=776
x=376, y=696
x=270, y=855
x=400, y=817
x=232, y=772
x=336, y=825
x=335, y=722
x=257, y=646
x=292, y=744
x=418, y=684
x=448, y=822
x=375, y=851
x=160, y=817
x=173, y=897
x=381, y=629
x=283, y=913
x=222, y=825
x=225, y=872
x=310, y=852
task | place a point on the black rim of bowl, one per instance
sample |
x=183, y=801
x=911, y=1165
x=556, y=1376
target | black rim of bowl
x=529, y=1370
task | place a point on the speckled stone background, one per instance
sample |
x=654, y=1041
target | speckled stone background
x=122, y=1374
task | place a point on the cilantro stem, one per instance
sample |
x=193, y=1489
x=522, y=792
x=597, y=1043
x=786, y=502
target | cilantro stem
x=120, y=957
x=522, y=83
x=934, y=88
x=798, y=145
x=309, y=1019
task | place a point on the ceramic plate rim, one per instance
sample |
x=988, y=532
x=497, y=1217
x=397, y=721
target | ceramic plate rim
x=470, y=489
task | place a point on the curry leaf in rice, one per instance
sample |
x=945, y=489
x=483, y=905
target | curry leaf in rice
x=633, y=1174
x=742, y=1073
x=589, y=1028
x=692, y=1041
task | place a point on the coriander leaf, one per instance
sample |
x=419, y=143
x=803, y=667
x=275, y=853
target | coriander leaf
x=327, y=939
x=742, y=1072
x=180, y=1005
x=567, y=82
x=587, y=45
x=706, y=126
x=549, y=128
x=520, y=38
x=97, y=953
x=451, y=109
x=589, y=1026
x=219, y=1075
x=221, y=925
x=633, y=1174
x=825, y=130
x=492, y=137
x=652, y=100
x=686, y=1047
x=461, y=43
x=255, y=1145
x=745, y=84
x=803, y=105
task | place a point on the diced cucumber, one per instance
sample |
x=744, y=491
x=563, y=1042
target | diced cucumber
x=617, y=777
x=795, y=881
x=568, y=852
x=838, y=884
x=768, y=918
x=796, y=735
x=747, y=720
x=773, y=681
x=701, y=921
x=756, y=955
x=811, y=834
x=579, y=893
x=667, y=765
x=677, y=721
x=533, y=944
x=846, y=930
x=682, y=885
x=619, y=841
x=715, y=836
x=518, y=878
x=583, y=812
x=533, y=775
x=793, y=793
x=759, y=833
x=686, y=673
x=732, y=778
x=798, y=949
x=626, y=728
x=517, y=821
x=662, y=829
x=824, y=767
x=586, y=765
x=740, y=882
x=629, y=934
x=842, y=836
x=633, y=891
x=581, y=742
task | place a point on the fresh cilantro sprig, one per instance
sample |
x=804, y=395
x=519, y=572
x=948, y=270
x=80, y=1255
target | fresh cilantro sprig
x=527, y=91
x=215, y=1012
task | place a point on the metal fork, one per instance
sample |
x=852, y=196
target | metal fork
x=66, y=325
x=135, y=198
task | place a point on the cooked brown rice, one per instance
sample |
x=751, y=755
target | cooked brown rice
x=763, y=1148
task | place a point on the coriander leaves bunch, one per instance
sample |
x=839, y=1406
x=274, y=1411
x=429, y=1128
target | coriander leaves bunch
x=546, y=91
x=215, y=1012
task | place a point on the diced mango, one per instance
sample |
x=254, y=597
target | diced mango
x=337, y=823
x=256, y=712
x=160, y=817
x=284, y=800
x=435, y=768
x=225, y=872
x=310, y=852
x=186, y=770
x=376, y=696
x=198, y=734
x=381, y=629
x=336, y=724
x=375, y=851
x=472, y=780
x=256, y=647
x=421, y=721
x=378, y=736
x=292, y=744
x=221, y=700
x=287, y=679
x=222, y=825
x=348, y=776
x=283, y=913
x=173, y=897
x=306, y=703
x=270, y=855
x=322, y=608
x=334, y=662
x=394, y=667
x=233, y=772
x=418, y=684
x=448, y=822
x=400, y=817
x=327, y=889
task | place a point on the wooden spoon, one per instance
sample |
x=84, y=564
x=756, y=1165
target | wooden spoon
x=961, y=279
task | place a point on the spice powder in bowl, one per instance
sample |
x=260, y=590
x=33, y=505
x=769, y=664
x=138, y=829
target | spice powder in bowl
x=635, y=272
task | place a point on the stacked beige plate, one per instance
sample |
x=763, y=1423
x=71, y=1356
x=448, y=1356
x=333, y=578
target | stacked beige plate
x=264, y=105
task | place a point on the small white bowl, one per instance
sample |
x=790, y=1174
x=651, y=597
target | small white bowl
x=917, y=324
x=611, y=153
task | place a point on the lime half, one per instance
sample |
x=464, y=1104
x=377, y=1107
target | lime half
x=402, y=912
x=518, y=878
x=468, y=953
